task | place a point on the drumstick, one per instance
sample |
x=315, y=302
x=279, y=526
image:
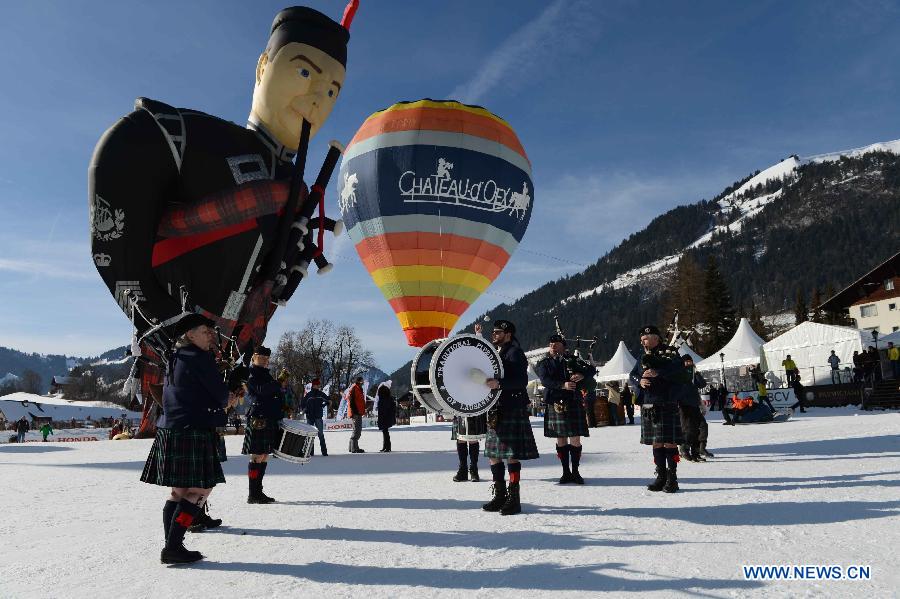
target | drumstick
x=476, y=375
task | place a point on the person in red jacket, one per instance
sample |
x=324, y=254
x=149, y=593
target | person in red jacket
x=356, y=409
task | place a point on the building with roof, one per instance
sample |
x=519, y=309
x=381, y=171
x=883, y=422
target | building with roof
x=873, y=300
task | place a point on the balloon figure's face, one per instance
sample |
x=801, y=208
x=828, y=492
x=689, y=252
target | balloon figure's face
x=299, y=82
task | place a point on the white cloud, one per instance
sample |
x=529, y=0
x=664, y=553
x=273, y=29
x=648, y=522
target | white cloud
x=561, y=28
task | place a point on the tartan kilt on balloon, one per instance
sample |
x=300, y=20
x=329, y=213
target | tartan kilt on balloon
x=570, y=423
x=184, y=458
x=261, y=441
x=661, y=425
x=513, y=437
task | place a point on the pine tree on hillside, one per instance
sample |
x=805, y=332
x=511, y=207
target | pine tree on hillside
x=801, y=311
x=817, y=314
x=756, y=322
x=684, y=293
x=718, y=311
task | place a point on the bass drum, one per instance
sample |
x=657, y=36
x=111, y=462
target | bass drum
x=448, y=375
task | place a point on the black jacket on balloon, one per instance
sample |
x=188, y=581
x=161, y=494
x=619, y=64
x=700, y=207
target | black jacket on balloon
x=264, y=394
x=194, y=394
x=513, y=394
x=182, y=201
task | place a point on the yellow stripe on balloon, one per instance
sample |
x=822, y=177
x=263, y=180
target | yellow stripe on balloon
x=393, y=289
x=449, y=276
x=416, y=319
x=450, y=104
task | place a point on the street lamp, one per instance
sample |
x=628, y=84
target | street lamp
x=722, y=370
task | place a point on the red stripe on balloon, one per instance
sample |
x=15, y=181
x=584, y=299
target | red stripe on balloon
x=419, y=336
x=417, y=303
x=169, y=249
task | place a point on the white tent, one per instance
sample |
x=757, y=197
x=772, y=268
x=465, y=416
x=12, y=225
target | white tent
x=893, y=337
x=17, y=405
x=742, y=350
x=685, y=350
x=619, y=366
x=810, y=344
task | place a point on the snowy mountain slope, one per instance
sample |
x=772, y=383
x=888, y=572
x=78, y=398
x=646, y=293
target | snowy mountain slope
x=735, y=209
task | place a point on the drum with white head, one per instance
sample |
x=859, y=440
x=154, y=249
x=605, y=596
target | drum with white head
x=449, y=375
x=296, y=442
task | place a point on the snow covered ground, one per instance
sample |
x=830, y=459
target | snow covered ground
x=821, y=489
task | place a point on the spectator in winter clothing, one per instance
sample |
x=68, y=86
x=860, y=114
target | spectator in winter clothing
x=356, y=409
x=314, y=405
x=738, y=407
x=790, y=369
x=893, y=354
x=21, y=429
x=628, y=400
x=800, y=394
x=387, y=414
x=615, y=398
x=46, y=430
x=689, y=408
x=859, y=366
x=835, y=364
x=287, y=394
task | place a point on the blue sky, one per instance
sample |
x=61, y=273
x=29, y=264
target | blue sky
x=625, y=108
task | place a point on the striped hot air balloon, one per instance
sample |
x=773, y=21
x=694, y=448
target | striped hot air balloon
x=436, y=196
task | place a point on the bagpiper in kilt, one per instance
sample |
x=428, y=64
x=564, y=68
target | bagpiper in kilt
x=263, y=416
x=564, y=417
x=659, y=378
x=509, y=435
x=184, y=453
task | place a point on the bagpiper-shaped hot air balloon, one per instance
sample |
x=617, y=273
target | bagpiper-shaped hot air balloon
x=436, y=196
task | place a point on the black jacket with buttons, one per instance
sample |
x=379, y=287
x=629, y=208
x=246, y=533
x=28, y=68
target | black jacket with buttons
x=194, y=395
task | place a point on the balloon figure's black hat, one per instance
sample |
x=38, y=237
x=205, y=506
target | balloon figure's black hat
x=305, y=25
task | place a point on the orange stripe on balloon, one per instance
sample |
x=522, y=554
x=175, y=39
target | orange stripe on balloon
x=390, y=242
x=383, y=259
x=418, y=303
x=438, y=119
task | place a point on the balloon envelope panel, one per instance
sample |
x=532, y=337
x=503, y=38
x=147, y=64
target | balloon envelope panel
x=436, y=197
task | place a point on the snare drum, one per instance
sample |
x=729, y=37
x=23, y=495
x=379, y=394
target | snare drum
x=448, y=375
x=470, y=429
x=296, y=441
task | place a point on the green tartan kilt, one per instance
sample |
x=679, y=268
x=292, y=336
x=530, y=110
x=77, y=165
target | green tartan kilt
x=262, y=441
x=184, y=458
x=661, y=425
x=570, y=423
x=513, y=437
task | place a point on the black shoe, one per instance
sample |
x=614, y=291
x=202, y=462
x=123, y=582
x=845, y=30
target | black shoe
x=204, y=521
x=324, y=454
x=461, y=474
x=576, y=478
x=179, y=555
x=566, y=478
x=697, y=457
x=512, y=505
x=706, y=454
x=358, y=450
x=683, y=452
x=498, y=489
x=473, y=474
x=671, y=485
x=259, y=497
x=660, y=482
